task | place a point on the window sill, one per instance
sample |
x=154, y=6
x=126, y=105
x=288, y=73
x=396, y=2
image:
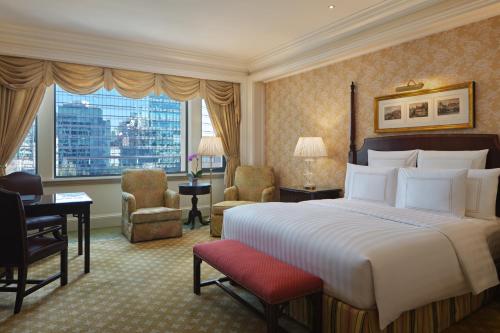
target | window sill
x=113, y=179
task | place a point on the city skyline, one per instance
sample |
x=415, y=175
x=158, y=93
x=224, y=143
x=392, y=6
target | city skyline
x=110, y=132
x=105, y=132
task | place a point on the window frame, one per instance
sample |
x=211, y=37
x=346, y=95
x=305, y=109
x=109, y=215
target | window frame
x=207, y=169
x=54, y=145
x=218, y=170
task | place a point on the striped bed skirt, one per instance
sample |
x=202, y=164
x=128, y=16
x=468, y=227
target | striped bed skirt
x=339, y=317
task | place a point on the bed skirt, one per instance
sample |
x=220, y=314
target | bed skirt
x=339, y=317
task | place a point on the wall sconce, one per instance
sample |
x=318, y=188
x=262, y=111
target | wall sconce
x=411, y=85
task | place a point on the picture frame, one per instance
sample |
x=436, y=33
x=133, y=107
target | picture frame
x=449, y=107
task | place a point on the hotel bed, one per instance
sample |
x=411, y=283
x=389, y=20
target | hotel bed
x=384, y=268
x=370, y=255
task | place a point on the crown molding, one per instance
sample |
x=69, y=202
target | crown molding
x=385, y=24
x=402, y=25
x=347, y=26
x=84, y=49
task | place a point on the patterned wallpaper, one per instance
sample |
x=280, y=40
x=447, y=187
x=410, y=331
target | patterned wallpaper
x=316, y=103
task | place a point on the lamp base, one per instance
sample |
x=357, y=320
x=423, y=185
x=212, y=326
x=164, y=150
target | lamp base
x=308, y=175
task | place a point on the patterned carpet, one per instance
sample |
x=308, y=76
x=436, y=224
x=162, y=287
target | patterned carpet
x=147, y=287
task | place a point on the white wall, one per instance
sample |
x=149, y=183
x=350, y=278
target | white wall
x=252, y=123
x=106, y=191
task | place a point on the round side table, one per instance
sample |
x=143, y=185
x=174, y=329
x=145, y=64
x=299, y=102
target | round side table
x=194, y=189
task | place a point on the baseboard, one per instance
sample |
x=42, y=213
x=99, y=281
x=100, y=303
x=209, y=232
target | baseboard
x=98, y=221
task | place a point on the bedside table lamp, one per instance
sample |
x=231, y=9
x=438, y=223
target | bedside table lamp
x=310, y=148
x=210, y=146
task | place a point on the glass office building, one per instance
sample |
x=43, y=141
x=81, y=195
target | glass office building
x=104, y=133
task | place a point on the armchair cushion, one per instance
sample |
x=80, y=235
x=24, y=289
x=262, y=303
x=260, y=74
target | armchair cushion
x=220, y=207
x=155, y=214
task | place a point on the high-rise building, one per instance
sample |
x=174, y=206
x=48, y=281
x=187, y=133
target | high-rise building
x=104, y=133
x=83, y=140
x=152, y=138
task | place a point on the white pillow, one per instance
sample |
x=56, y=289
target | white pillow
x=467, y=159
x=371, y=184
x=482, y=187
x=439, y=191
x=394, y=159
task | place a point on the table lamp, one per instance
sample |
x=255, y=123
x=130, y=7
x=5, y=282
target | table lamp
x=210, y=146
x=309, y=148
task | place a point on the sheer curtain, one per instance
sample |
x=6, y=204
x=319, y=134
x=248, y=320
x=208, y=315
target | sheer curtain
x=24, y=80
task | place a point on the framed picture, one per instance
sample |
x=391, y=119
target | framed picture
x=424, y=110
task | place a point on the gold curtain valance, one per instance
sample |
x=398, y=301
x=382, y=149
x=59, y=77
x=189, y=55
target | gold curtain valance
x=23, y=73
x=23, y=82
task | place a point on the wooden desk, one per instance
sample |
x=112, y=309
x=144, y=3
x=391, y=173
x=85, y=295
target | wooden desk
x=76, y=204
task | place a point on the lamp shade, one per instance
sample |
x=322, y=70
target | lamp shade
x=310, y=147
x=210, y=146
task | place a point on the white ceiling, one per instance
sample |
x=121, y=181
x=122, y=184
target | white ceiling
x=231, y=40
x=243, y=29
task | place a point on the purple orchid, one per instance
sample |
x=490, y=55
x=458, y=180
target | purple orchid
x=195, y=173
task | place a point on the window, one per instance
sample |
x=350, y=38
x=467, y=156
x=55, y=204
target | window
x=103, y=133
x=207, y=129
x=25, y=158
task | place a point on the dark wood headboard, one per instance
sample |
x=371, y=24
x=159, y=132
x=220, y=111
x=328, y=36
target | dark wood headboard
x=426, y=142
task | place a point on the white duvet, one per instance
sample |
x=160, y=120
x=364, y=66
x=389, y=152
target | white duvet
x=371, y=255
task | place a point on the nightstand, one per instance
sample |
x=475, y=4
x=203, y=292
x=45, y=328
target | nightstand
x=298, y=193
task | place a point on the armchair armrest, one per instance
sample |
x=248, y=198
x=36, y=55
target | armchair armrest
x=128, y=204
x=172, y=199
x=231, y=194
x=268, y=194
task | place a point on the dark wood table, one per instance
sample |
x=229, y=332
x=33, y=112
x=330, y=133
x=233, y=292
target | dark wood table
x=299, y=193
x=76, y=204
x=194, y=189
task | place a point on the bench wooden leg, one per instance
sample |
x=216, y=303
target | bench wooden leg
x=272, y=316
x=317, y=310
x=196, y=274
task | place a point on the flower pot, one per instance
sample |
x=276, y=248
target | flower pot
x=193, y=180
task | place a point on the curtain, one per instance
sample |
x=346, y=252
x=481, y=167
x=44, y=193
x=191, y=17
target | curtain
x=18, y=109
x=226, y=120
x=33, y=75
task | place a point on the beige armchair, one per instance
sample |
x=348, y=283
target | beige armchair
x=149, y=209
x=251, y=185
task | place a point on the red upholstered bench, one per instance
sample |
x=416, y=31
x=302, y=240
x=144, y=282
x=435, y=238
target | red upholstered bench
x=274, y=282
